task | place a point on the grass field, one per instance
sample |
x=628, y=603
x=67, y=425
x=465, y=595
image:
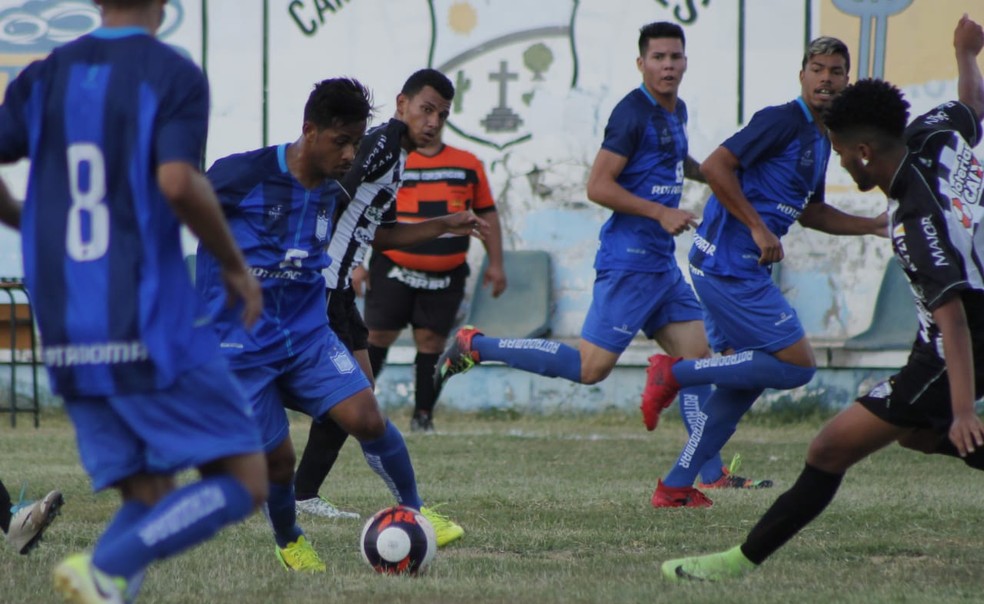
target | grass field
x=556, y=510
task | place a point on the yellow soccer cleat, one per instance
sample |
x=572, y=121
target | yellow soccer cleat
x=447, y=530
x=79, y=582
x=300, y=556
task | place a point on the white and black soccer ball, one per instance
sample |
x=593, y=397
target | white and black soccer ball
x=398, y=541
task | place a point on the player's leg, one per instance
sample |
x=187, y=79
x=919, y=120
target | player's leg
x=202, y=420
x=5, y=504
x=433, y=316
x=325, y=438
x=388, y=306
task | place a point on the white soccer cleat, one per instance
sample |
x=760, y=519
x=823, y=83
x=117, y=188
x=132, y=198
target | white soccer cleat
x=319, y=506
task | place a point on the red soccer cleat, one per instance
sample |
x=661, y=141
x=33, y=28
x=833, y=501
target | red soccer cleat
x=679, y=497
x=661, y=389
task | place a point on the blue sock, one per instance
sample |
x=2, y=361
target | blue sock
x=389, y=457
x=691, y=401
x=184, y=518
x=543, y=357
x=129, y=514
x=281, y=511
x=715, y=424
x=747, y=370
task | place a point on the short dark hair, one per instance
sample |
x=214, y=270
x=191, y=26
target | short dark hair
x=429, y=77
x=869, y=105
x=338, y=101
x=659, y=29
x=827, y=45
x=125, y=3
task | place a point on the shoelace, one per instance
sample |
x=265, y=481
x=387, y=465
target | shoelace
x=21, y=502
x=436, y=518
x=306, y=555
x=735, y=464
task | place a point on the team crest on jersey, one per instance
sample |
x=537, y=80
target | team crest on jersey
x=342, y=361
x=499, y=71
x=30, y=29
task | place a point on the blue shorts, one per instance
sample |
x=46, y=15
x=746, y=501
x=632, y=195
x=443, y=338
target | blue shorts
x=202, y=417
x=625, y=302
x=746, y=314
x=313, y=381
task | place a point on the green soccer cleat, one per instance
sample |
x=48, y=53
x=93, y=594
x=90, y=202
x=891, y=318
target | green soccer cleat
x=730, y=479
x=731, y=564
x=300, y=556
x=77, y=581
x=447, y=530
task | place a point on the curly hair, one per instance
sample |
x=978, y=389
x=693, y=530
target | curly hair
x=868, y=105
x=338, y=101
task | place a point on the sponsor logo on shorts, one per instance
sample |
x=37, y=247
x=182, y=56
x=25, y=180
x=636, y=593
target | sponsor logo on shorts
x=783, y=317
x=883, y=390
x=342, y=362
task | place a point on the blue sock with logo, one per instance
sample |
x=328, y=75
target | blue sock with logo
x=281, y=511
x=749, y=369
x=184, y=518
x=388, y=457
x=542, y=357
x=691, y=401
x=713, y=426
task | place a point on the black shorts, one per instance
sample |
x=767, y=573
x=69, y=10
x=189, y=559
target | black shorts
x=345, y=320
x=918, y=396
x=398, y=297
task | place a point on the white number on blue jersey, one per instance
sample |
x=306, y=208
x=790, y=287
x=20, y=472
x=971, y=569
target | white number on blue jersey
x=91, y=202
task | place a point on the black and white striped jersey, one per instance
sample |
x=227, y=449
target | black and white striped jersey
x=935, y=208
x=370, y=187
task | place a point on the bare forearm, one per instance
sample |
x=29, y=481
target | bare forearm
x=691, y=170
x=10, y=208
x=952, y=321
x=403, y=234
x=727, y=188
x=970, y=84
x=830, y=220
x=493, y=239
x=610, y=194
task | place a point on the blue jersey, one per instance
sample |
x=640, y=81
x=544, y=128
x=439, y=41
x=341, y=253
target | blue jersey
x=283, y=230
x=783, y=157
x=101, y=247
x=654, y=141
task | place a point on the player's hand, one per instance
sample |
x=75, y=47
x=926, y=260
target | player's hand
x=969, y=36
x=496, y=277
x=360, y=280
x=466, y=223
x=241, y=285
x=879, y=225
x=967, y=433
x=768, y=244
x=675, y=221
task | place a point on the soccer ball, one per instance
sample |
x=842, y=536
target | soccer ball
x=398, y=541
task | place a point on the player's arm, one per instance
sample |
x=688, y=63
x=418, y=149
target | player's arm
x=193, y=201
x=406, y=234
x=966, y=431
x=828, y=219
x=604, y=190
x=968, y=40
x=721, y=170
x=10, y=208
x=691, y=170
x=495, y=272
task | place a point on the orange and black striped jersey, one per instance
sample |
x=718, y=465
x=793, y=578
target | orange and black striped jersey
x=451, y=181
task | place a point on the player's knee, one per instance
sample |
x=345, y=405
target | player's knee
x=592, y=374
x=825, y=454
x=280, y=465
x=793, y=376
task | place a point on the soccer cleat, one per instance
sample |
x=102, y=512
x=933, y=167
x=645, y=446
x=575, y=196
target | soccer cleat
x=447, y=530
x=679, y=497
x=731, y=564
x=661, y=389
x=730, y=480
x=422, y=422
x=319, y=506
x=300, y=556
x=30, y=519
x=458, y=357
x=79, y=582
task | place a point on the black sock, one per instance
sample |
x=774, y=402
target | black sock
x=5, y=504
x=325, y=440
x=426, y=396
x=974, y=460
x=794, y=509
x=377, y=359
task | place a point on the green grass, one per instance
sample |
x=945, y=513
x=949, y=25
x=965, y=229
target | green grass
x=556, y=510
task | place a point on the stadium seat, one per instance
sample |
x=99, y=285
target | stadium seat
x=523, y=310
x=894, y=323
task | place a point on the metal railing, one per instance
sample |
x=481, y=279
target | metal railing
x=21, y=357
